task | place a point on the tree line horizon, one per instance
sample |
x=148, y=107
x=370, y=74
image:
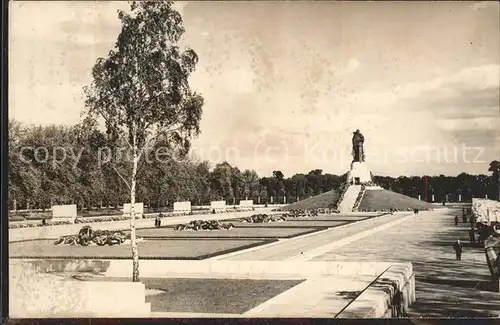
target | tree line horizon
x=162, y=183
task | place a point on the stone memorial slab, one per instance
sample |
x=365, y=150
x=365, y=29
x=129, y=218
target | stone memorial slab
x=218, y=206
x=64, y=212
x=138, y=209
x=182, y=207
x=246, y=205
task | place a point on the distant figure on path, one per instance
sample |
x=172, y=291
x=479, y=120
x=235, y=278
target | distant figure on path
x=456, y=220
x=458, y=250
x=398, y=303
x=44, y=223
x=472, y=236
x=464, y=219
x=157, y=221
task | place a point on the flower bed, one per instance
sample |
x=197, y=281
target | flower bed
x=306, y=212
x=343, y=190
x=358, y=199
x=87, y=236
x=204, y=225
x=302, y=213
x=17, y=218
x=101, y=219
x=262, y=218
x=34, y=225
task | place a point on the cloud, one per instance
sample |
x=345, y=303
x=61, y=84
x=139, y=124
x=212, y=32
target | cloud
x=180, y=6
x=478, y=5
x=458, y=107
x=239, y=81
x=479, y=77
x=464, y=104
x=462, y=124
x=352, y=65
x=471, y=92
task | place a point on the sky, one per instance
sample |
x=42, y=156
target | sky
x=286, y=83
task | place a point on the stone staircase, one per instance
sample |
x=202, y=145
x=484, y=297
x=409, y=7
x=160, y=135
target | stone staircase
x=349, y=199
x=359, y=198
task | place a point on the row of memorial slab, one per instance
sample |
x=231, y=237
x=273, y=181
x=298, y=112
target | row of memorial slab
x=70, y=210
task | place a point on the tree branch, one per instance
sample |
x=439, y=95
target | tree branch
x=120, y=175
x=150, y=141
x=116, y=129
x=158, y=133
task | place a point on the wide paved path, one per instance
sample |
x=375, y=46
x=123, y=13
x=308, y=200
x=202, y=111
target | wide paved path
x=444, y=287
x=293, y=248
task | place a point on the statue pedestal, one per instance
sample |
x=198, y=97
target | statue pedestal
x=359, y=173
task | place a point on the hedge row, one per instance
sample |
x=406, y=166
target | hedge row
x=35, y=225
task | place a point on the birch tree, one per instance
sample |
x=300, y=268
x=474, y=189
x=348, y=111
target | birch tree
x=141, y=91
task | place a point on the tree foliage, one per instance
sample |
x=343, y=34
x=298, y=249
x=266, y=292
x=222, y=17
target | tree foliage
x=171, y=180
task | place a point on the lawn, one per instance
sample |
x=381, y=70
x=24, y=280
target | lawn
x=192, y=249
x=231, y=296
x=231, y=233
x=331, y=217
x=325, y=200
x=291, y=224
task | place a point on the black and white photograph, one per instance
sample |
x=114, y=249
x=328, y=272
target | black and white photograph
x=253, y=159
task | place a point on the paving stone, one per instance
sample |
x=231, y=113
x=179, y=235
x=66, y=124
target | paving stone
x=444, y=287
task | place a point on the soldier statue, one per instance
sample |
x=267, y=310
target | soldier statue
x=357, y=147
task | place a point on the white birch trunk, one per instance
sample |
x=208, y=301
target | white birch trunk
x=133, y=239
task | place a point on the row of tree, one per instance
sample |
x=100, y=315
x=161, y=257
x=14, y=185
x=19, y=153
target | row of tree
x=67, y=164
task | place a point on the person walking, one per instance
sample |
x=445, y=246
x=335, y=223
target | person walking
x=456, y=220
x=398, y=303
x=458, y=250
x=464, y=219
x=472, y=236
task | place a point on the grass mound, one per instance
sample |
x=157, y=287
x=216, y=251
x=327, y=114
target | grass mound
x=384, y=200
x=327, y=200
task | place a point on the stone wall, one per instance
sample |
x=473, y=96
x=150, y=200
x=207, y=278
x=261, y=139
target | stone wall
x=40, y=295
x=376, y=301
